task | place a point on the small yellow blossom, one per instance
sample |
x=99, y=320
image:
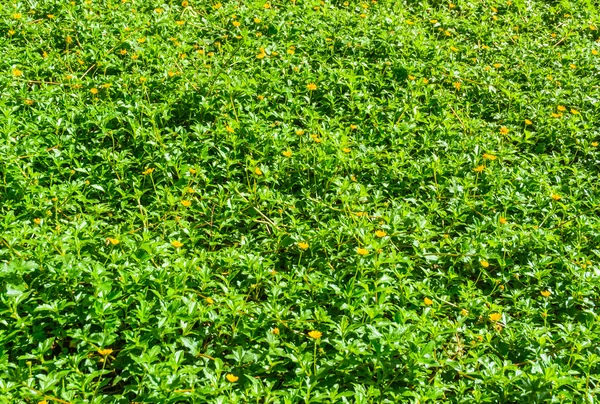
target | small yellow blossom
x=495, y=316
x=209, y=300
x=258, y=171
x=113, y=241
x=574, y=111
x=528, y=122
x=303, y=245
x=287, y=153
x=148, y=171
x=362, y=251
x=488, y=156
x=555, y=115
x=427, y=301
x=94, y=91
x=497, y=65
x=236, y=23
x=380, y=233
x=275, y=331
x=561, y=108
x=184, y=3
x=346, y=150
x=353, y=127
x=545, y=293
x=484, y=263
x=29, y=102
x=595, y=144
x=177, y=244
x=37, y=220
x=315, y=334
x=572, y=66
x=105, y=351
x=17, y=72
x=594, y=52
x=217, y=6
x=17, y=16
x=502, y=220
x=504, y=130
x=311, y=86
x=457, y=85
x=231, y=378
x=479, y=169
x=267, y=6
x=556, y=197
x=299, y=132
x=464, y=312
x=186, y=203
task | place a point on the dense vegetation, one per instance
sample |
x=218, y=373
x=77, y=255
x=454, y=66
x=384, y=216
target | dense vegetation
x=299, y=201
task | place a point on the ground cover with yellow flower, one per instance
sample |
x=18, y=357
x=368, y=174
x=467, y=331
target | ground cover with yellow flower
x=299, y=201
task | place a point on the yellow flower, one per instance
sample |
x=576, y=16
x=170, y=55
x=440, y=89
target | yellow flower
x=231, y=378
x=546, y=293
x=353, y=127
x=556, y=197
x=504, y=130
x=209, y=300
x=484, y=263
x=275, y=331
x=94, y=91
x=362, y=251
x=257, y=20
x=258, y=171
x=502, y=220
x=555, y=115
x=186, y=203
x=105, y=351
x=113, y=241
x=380, y=233
x=528, y=122
x=37, y=220
x=261, y=55
x=454, y=49
x=287, y=153
x=184, y=3
x=411, y=77
x=425, y=81
x=346, y=150
x=595, y=144
x=495, y=316
x=267, y=5
x=594, y=52
x=457, y=85
x=299, y=132
x=574, y=111
x=42, y=402
x=315, y=334
x=360, y=214
x=488, y=156
x=479, y=169
x=17, y=16
x=176, y=243
x=17, y=72
x=217, y=6
x=311, y=86
x=572, y=66
x=148, y=171
x=427, y=301
x=302, y=245
x=464, y=312
x=28, y=102
x=180, y=22
x=236, y=23
x=561, y=108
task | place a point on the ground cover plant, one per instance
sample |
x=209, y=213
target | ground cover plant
x=299, y=201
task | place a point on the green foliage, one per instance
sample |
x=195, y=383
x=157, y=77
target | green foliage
x=188, y=191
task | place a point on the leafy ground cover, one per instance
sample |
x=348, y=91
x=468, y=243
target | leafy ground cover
x=299, y=201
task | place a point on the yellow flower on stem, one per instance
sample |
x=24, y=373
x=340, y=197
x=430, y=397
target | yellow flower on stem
x=479, y=169
x=303, y=245
x=105, y=351
x=113, y=241
x=488, y=156
x=427, y=301
x=484, y=263
x=232, y=378
x=504, y=130
x=287, y=153
x=362, y=251
x=311, y=86
x=258, y=171
x=380, y=233
x=186, y=203
x=556, y=197
x=275, y=331
x=502, y=220
x=528, y=122
x=495, y=316
x=177, y=244
x=315, y=334
x=545, y=293
x=148, y=171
